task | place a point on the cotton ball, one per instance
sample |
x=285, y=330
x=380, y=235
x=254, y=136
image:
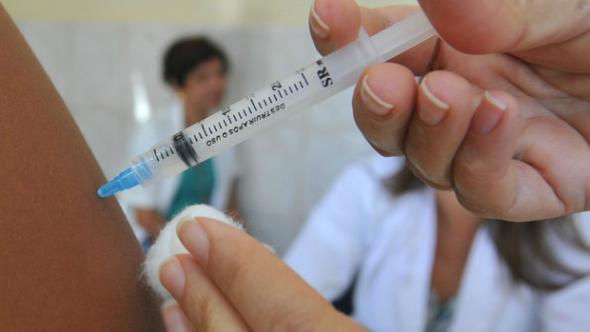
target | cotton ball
x=168, y=244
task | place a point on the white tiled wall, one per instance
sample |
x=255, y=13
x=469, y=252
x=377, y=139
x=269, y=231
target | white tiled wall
x=288, y=167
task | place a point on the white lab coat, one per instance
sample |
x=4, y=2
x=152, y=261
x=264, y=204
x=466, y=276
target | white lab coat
x=388, y=243
x=160, y=194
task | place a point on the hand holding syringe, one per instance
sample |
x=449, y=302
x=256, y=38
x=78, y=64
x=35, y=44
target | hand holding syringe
x=283, y=98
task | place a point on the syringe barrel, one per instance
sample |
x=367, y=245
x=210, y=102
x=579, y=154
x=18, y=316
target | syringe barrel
x=306, y=87
x=147, y=170
x=234, y=124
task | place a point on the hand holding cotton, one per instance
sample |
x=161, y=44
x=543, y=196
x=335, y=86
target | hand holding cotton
x=168, y=244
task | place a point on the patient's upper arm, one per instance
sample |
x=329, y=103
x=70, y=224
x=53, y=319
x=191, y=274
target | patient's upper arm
x=68, y=259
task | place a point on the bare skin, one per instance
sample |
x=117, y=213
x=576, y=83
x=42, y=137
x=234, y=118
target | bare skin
x=69, y=259
x=456, y=229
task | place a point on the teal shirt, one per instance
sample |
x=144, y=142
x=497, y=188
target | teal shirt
x=196, y=187
x=439, y=314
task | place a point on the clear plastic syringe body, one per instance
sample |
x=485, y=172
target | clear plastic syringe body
x=239, y=121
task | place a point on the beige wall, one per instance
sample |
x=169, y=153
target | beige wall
x=221, y=11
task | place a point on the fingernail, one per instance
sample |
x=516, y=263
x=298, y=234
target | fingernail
x=494, y=101
x=195, y=240
x=432, y=115
x=172, y=277
x=488, y=115
x=318, y=26
x=372, y=102
x=174, y=319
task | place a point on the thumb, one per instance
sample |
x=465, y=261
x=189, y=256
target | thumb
x=267, y=294
x=489, y=26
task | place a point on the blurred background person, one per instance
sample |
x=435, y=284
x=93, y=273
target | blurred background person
x=195, y=68
x=411, y=258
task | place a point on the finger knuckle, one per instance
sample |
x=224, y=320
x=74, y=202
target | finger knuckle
x=203, y=313
x=291, y=320
x=475, y=170
x=441, y=182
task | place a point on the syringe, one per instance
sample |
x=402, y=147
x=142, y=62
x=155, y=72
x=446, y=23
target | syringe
x=283, y=98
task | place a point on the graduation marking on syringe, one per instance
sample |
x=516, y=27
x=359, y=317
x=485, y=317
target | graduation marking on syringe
x=326, y=77
x=305, y=79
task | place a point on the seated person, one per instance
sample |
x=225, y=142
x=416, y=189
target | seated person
x=423, y=263
x=195, y=69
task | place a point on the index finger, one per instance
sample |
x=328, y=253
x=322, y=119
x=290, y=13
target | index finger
x=336, y=23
